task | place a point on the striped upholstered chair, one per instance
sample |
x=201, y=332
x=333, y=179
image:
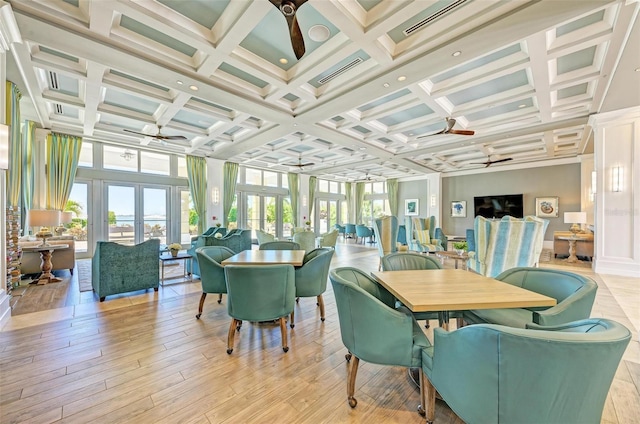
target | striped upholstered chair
x=423, y=236
x=505, y=243
x=386, y=231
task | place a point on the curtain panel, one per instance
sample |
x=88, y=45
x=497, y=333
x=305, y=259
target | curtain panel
x=359, y=200
x=63, y=153
x=197, y=174
x=347, y=187
x=312, y=194
x=230, y=170
x=392, y=195
x=294, y=184
x=28, y=166
x=12, y=119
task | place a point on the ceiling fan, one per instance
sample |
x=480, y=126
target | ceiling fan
x=449, y=130
x=367, y=177
x=490, y=162
x=158, y=135
x=299, y=164
x=288, y=9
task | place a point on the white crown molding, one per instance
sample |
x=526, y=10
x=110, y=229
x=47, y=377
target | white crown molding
x=9, y=31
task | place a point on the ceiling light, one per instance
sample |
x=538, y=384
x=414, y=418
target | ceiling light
x=456, y=53
x=362, y=148
x=127, y=155
x=193, y=87
x=179, y=82
x=385, y=85
x=402, y=78
x=283, y=60
x=319, y=33
x=637, y=69
x=521, y=106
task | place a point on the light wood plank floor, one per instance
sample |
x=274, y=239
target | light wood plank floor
x=144, y=358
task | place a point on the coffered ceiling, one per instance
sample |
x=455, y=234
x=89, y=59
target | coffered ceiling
x=524, y=75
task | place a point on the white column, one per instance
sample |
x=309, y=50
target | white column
x=617, y=216
x=215, y=182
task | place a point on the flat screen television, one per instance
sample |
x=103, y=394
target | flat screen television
x=499, y=206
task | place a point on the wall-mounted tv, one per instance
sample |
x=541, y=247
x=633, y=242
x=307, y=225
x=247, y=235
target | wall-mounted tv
x=499, y=206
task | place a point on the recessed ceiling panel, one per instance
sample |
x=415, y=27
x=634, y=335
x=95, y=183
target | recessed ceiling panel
x=245, y=76
x=432, y=13
x=490, y=88
x=197, y=120
x=369, y=4
x=477, y=63
x=575, y=90
x=157, y=36
x=64, y=56
x=126, y=101
x=580, y=23
x=386, y=99
x=406, y=115
x=344, y=66
x=132, y=78
x=576, y=60
x=500, y=109
x=63, y=83
x=203, y=12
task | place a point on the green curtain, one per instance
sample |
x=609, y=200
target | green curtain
x=392, y=193
x=28, y=166
x=230, y=170
x=359, y=200
x=15, y=144
x=312, y=194
x=63, y=152
x=347, y=187
x=197, y=174
x=294, y=194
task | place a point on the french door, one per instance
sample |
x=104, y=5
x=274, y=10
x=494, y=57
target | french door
x=80, y=204
x=136, y=212
x=326, y=215
x=261, y=213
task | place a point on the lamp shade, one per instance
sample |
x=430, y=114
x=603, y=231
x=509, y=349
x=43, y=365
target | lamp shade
x=44, y=218
x=66, y=217
x=575, y=217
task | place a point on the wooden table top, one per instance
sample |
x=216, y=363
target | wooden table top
x=455, y=290
x=266, y=257
x=40, y=248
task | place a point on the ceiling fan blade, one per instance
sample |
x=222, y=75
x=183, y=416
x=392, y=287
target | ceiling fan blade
x=462, y=132
x=450, y=123
x=431, y=135
x=168, y=137
x=137, y=132
x=501, y=160
x=297, y=40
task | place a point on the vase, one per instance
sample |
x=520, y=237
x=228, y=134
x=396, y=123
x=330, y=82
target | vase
x=174, y=252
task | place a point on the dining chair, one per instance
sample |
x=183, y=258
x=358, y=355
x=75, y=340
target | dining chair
x=211, y=272
x=350, y=230
x=371, y=328
x=328, y=239
x=363, y=231
x=311, y=278
x=341, y=230
x=306, y=240
x=259, y=293
x=497, y=374
x=386, y=231
x=264, y=237
x=279, y=245
x=573, y=292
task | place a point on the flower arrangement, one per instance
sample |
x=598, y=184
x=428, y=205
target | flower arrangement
x=306, y=221
x=174, y=246
x=218, y=224
x=218, y=235
x=460, y=245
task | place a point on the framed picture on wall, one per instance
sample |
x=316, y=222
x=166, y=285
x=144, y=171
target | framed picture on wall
x=547, y=207
x=459, y=209
x=411, y=207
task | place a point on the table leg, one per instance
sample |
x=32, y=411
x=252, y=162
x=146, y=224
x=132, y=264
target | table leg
x=46, y=266
x=572, y=252
x=162, y=279
x=443, y=318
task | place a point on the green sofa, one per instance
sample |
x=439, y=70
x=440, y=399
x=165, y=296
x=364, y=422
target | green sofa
x=236, y=240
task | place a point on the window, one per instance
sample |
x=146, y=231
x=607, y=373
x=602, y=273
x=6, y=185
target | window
x=323, y=186
x=86, y=154
x=334, y=187
x=270, y=179
x=155, y=163
x=119, y=158
x=253, y=176
x=182, y=167
x=377, y=188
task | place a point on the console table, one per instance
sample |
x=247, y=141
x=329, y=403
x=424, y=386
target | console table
x=582, y=244
x=45, y=265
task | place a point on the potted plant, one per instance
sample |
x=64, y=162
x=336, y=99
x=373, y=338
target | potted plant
x=174, y=248
x=460, y=247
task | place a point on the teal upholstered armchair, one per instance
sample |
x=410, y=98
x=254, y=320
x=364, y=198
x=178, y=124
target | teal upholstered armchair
x=279, y=245
x=306, y=240
x=363, y=231
x=116, y=268
x=236, y=240
x=423, y=235
x=371, y=329
x=499, y=244
x=212, y=273
x=496, y=374
x=329, y=239
x=259, y=293
x=574, y=294
x=311, y=277
x=341, y=230
x=264, y=237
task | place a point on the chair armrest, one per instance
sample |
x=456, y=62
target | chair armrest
x=575, y=307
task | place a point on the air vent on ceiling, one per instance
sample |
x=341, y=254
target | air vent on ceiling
x=53, y=80
x=437, y=15
x=340, y=71
x=57, y=108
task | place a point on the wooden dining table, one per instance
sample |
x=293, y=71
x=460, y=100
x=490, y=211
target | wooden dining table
x=266, y=257
x=445, y=290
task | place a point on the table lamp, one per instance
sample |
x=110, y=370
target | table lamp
x=575, y=219
x=45, y=219
x=65, y=218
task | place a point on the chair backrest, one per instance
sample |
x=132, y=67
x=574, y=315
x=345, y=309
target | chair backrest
x=340, y=228
x=406, y=260
x=498, y=374
x=312, y=276
x=260, y=292
x=371, y=330
x=386, y=231
x=279, y=245
x=211, y=272
x=506, y=243
x=363, y=231
x=329, y=239
x=264, y=237
x=306, y=240
x=350, y=228
x=297, y=230
x=236, y=240
x=575, y=293
x=368, y=284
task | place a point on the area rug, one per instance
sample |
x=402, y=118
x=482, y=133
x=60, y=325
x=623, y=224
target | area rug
x=172, y=269
x=547, y=257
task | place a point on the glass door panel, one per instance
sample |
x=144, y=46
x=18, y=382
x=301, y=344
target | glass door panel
x=253, y=213
x=80, y=208
x=121, y=214
x=269, y=214
x=287, y=217
x=186, y=229
x=333, y=214
x=154, y=204
x=323, y=212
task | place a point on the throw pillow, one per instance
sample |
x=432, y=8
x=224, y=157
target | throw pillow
x=423, y=236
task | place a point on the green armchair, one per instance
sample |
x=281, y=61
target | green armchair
x=329, y=239
x=311, y=278
x=212, y=273
x=279, y=245
x=236, y=240
x=116, y=268
x=259, y=293
x=497, y=374
x=371, y=329
x=574, y=294
x=306, y=240
x=264, y=237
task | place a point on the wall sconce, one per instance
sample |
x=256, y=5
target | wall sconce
x=304, y=200
x=433, y=200
x=215, y=194
x=616, y=179
x=4, y=146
